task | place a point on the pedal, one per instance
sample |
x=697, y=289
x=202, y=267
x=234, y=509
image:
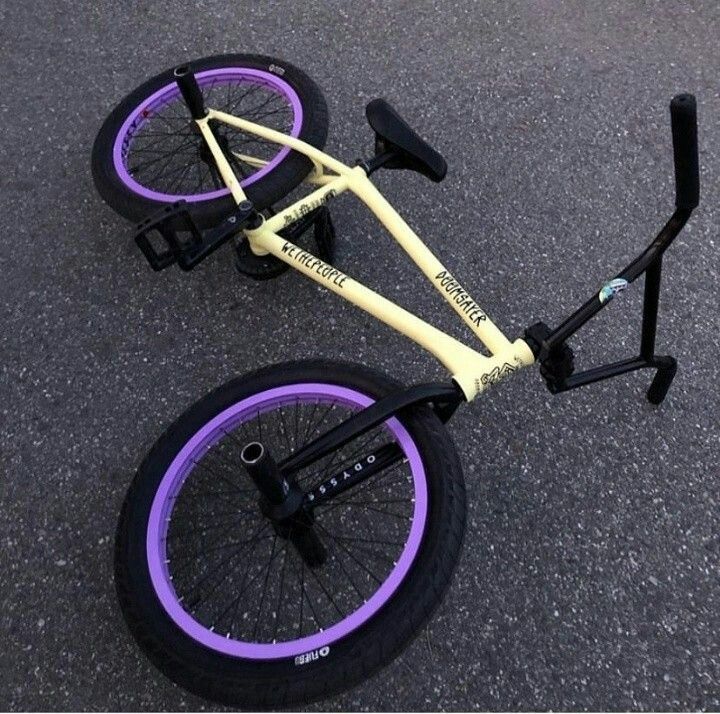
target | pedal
x=162, y=227
x=170, y=223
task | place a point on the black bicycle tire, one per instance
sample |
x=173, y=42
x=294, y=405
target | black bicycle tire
x=279, y=683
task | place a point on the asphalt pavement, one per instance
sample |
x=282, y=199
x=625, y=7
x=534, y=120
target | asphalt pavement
x=590, y=577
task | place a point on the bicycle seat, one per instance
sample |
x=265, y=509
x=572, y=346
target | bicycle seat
x=394, y=134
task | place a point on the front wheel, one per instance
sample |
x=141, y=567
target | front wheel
x=224, y=601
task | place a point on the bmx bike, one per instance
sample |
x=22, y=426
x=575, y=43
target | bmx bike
x=293, y=530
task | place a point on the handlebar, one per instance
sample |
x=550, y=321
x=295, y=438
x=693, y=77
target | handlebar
x=683, y=116
x=548, y=345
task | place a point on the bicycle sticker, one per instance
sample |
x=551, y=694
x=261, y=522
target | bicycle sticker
x=312, y=656
x=611, y=289
x=309, y=207
x=497, y=374
x=332, y=483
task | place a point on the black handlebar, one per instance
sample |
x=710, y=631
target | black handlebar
x=683, y=115
x=548, y=345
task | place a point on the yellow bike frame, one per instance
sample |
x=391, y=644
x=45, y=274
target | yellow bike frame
x=471, y=370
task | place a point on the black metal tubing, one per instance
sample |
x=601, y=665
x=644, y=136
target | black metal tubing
x=549, y=347
x=444, y=397
x=264, y=472
x=683, y=114
x=666, y=368
x=683, y=119
x=649, y=263
x=649, y=260
x=651, y=300
x=349, y=477
x=190, y=91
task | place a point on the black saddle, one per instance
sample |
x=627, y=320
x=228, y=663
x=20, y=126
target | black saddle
x=394, y=135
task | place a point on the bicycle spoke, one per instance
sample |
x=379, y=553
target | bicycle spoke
x=327, y=594
x=190, y=531
x=265, y=584
x=285, y=430
x=162, y=149
x=164, y=173
x=297, y=416
x=280, y=596
x=304, y=594
x=361, y=504
x=322, y=418
x=302, y=597
x=226, y=560
x=219, y=475
x=367, y=540
x=214, y=548
x=150, y=162
x=350, y=579
x=177, y=182
x=375, y=482
x=244, y=589
x=242, y=586
x=346, y=549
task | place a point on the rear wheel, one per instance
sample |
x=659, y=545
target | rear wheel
x=224, y=602
x=149, y=151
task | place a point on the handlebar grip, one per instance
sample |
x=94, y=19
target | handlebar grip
x=683, y=116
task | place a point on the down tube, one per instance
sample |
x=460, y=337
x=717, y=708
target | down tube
x=463, y=362
x=441, y=278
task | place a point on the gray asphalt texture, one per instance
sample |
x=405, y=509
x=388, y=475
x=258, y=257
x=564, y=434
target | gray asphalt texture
x=590, y=576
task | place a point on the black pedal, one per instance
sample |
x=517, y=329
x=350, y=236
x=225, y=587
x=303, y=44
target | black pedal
x=184, y=243
x=164, y=226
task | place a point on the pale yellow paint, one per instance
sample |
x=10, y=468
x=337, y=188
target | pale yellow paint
x=470, y=369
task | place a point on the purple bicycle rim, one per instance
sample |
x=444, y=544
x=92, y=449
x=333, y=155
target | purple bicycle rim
x=170, y=91
x=172, y=482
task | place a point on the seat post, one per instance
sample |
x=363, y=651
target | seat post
x=370, y=166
